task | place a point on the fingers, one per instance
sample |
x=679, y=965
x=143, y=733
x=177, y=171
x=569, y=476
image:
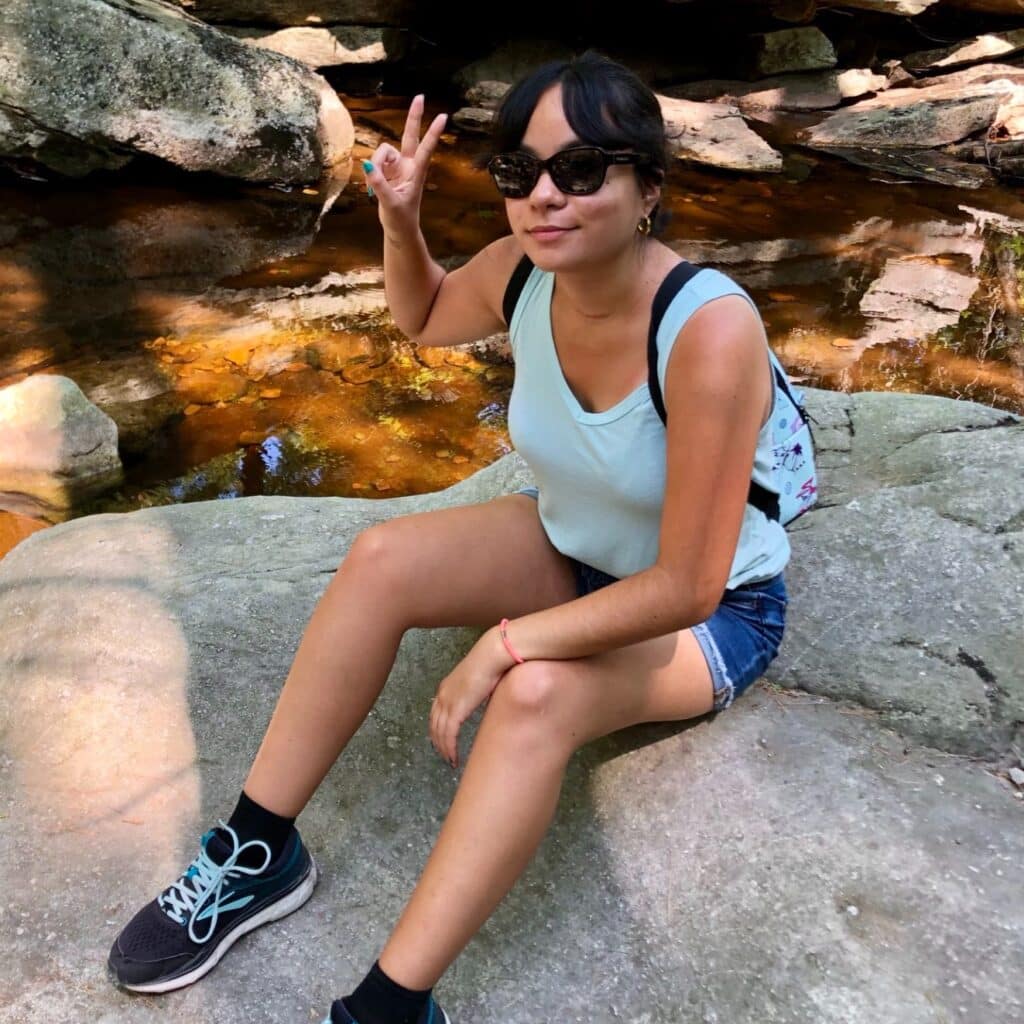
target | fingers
x=444, y=732
x=411, y=135
x=429, y=144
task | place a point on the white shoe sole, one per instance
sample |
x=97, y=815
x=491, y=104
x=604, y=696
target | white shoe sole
x=274, y=912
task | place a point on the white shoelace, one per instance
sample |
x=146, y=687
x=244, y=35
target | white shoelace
x=205, y=879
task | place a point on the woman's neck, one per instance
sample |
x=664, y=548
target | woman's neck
x=608, y=292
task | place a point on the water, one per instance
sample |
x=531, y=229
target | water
x=239, y=335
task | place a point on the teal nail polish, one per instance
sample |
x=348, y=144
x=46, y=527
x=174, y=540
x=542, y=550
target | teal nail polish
x=369, y=190
x=367, y=166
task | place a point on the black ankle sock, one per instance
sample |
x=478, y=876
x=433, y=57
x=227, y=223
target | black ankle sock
x=379, y=1000
x=251, y=821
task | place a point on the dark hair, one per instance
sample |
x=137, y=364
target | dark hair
x=606, y=104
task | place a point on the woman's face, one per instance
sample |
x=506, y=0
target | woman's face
x=600, y=225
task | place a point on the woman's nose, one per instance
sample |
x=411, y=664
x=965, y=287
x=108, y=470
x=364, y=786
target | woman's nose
x=544, y=189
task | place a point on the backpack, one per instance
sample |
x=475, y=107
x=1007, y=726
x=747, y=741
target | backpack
x=792, y=443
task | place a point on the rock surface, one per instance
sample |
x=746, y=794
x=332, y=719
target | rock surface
x=98, y=82
x=716, y=134
x=301, y=12
x=56, y=448
x=832, y=869
x=336, y=46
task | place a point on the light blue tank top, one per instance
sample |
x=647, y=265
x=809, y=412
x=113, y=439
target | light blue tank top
x=601, y=475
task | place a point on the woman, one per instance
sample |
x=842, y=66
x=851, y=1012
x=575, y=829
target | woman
x=641, y=586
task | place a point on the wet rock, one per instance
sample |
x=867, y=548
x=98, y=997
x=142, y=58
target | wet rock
x=138, y=76
x=205, y=387
x=903, y=8
x=937, y=114
x=301, y=12
x=57, y=449
x=476, y=120
x=716, y=134
x=936, y=166
x=914, y=298
x=337, y=46
x=786, y=92
x=971, y=51
x=792, y=49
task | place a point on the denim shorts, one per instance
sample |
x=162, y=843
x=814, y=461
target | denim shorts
x=739, y=640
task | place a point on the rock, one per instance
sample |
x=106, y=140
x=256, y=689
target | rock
x=937, y=166
x=477, y=120
x=139, y=76
x=936, y=114
x=716, y=134
x=486, y=94
x=786, y=92
x=56, y=448
x=970, y=51
x=301, y=12
x=142, y=654
x=903, y=8
x=910, y=570
x=1017, y=777
x=508, y=63
x=792, y=49
x=913, y=298
x=327, y=47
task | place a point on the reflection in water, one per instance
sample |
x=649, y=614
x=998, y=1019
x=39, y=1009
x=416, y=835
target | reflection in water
x=240, y=339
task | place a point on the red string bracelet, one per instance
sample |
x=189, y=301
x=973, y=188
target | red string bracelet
x=508, y=646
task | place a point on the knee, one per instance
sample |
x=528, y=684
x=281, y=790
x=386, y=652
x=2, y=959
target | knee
x=375, y=552
x=531, y=693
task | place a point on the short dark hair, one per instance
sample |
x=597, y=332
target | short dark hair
x=606, y=104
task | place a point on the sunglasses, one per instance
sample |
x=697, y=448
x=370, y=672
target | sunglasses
x=579, y=171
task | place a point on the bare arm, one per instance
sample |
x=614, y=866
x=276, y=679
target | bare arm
x=716, y=391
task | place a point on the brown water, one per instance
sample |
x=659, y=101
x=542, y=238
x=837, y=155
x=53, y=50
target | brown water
x=239, y=336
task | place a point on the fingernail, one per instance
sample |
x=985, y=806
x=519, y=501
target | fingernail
x=367, y=166
x=369, y=190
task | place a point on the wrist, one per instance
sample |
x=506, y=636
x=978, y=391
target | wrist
x=512, y=653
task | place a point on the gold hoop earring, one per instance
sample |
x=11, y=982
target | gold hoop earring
x=644, y=227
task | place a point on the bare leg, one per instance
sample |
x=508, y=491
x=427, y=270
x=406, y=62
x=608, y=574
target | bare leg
x=539, y=714
x=387, y=583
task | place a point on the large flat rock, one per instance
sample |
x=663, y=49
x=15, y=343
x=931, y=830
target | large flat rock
x=793, y=859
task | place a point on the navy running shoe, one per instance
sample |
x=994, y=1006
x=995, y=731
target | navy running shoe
x=182, y=934
x=431, y=1014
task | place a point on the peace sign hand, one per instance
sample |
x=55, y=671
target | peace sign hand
x=397, y=177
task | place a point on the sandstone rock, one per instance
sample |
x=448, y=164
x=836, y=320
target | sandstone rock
x=817, y=91
x=327, y=47
x=139, y=76
x=301, y=12
x=793, y=49
x=56, y=448
x=716, y=134
x=930, y=115
x=970, y=51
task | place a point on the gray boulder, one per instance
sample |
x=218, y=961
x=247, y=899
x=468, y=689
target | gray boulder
x=56, y=448
x=90, y=83
x=794, y=858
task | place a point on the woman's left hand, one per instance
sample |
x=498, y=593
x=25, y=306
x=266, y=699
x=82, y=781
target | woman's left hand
x=464, y=689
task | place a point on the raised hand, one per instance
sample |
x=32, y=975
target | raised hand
x=397, y=176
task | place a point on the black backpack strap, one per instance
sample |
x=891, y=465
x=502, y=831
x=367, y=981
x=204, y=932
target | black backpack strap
x=758, y=496
x=515, y=287
x=670, y=287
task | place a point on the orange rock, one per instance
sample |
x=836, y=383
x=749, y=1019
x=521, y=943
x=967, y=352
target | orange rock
x=191, y=410
x=270, y=393
x=460, y=459
x=296, y=366
x=250, y=437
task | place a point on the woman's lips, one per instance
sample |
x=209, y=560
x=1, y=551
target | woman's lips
x=549, y=232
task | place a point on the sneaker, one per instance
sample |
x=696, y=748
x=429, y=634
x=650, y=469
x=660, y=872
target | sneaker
x=432, y=1014
x=182, y=934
